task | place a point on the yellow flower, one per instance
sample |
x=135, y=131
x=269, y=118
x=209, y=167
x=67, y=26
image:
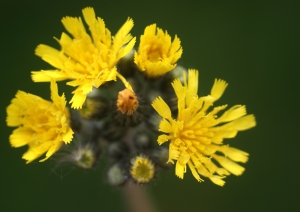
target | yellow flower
x=157, y=55
x=88, y=61
x=142, y=169
x=196, y=135
x=42, y=125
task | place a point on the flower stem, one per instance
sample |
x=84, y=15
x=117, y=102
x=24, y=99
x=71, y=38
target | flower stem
x=137, y=198
x=127, y=84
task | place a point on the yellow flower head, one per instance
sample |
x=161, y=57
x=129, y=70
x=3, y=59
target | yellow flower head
x=196, y=135
x=88, y=61
x=42, y=125
x=157, y=55
x=142, y=169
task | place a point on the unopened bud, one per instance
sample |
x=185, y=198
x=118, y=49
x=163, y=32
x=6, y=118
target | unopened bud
x=127, y=102
x=116, y=175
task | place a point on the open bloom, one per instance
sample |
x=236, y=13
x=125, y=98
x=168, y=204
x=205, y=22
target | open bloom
x=88, y=61
x=197, y=134
x=42, y=125
x=157, y=55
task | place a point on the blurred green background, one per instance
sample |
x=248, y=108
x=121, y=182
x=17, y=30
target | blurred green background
x=253, y=45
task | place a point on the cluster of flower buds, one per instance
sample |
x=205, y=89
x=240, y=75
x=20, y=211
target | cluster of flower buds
x=123, y=100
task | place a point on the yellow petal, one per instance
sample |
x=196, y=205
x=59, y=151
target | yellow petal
x=244, y=123
x=50, y=55
x=31, y=155
x=46, y=76
x=20, y=137
x=80, y=94
x=228, y=164
x=236, y=155
x=15, y=110
x=165, y=126
x=54, y=148
x=126, y=49
x=222, y=172
x=227, y=133
x=180, y=170
x=123, y=35
x=233, y=113
x=54, y=91
x=174, y=153
x=202, y=170
x=217, y=180
x=89, y=16
x=218, y=88
x=161, y=108
x=75, y=27
x=180, y=90
x=97, y=27
x=194, y=172
x=59, y=101
x=68, y=136
x=175, y=49
x=184, y=158
x=162, y=139
x=192, y=85
x=78, y=98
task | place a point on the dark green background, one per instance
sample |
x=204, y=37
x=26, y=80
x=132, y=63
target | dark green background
x=253, y=45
